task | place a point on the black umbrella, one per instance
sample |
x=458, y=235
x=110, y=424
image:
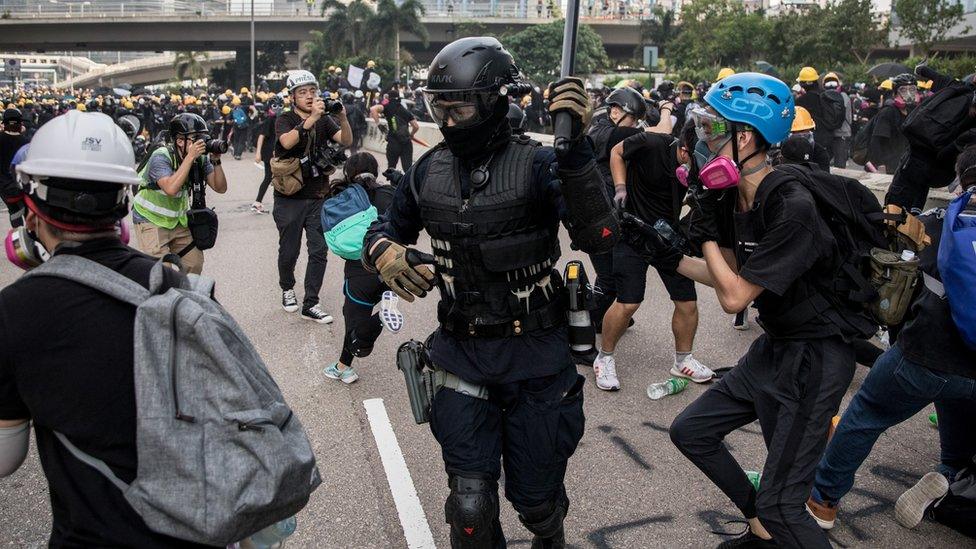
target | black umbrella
x=141, y=91
x=888, y=70
x=767, y=69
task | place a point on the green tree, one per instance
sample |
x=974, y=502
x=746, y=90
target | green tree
x=926, y=22
x=718, y=32
x=346, y=28
x=538, y=51
x=657, y=30
x=391, y=20
x=188, y=65
x=852, y=31
x=464, y=29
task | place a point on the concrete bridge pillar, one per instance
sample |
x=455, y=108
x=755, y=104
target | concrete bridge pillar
x=242, y=76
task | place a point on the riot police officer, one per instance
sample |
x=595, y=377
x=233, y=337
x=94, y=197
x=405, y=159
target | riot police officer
x=491, y=203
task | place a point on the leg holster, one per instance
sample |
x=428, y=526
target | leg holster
x=424, y=380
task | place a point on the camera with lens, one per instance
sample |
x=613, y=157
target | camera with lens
x=216, y=146
x=332, y=106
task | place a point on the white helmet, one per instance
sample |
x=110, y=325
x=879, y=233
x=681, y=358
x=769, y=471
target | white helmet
x=359, y=94
x=300, y=78
x=81, y=146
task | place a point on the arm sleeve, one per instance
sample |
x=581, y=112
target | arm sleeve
x=14, y=442
x=788, y=248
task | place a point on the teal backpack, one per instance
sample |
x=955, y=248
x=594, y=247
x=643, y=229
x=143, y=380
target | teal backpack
x=345, y=218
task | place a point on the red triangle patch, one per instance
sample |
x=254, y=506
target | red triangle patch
x=469, y=531
x=606, y=232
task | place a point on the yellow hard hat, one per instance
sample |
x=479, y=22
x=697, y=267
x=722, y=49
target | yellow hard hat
x=81, y=107
x=925, y=84
x=228, y=92
x=885, y=85
x=128, y=105
x=802, y=121
x=831, y=76
x=683, y=85
x=808, y=74
x=235, y=101
x=723, y=73
x=331, y=68
x=245, y=90
x=334, y=95
x=370, y=64
x=225, y=110
x=11, y=106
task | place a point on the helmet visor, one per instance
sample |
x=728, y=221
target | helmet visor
x=464, y=109
x=908, y=93
x=709, y=126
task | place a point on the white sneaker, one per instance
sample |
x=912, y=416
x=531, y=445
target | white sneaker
x=911, y=505
x=391, y=318
x=605, y=369
x=693, y=370
x=288, y=301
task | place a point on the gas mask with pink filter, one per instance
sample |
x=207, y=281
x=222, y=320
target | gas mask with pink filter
x=715, y=172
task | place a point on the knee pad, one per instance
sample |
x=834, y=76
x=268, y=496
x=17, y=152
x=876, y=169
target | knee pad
x=546, y=520
x=472, y=510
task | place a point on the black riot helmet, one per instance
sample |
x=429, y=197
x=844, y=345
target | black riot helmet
x=128, y=127
x=516, y=118
x=629, y=100
x=187, y=124
x=469, y=75
x=12, y=114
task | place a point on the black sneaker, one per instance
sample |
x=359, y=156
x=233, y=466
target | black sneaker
x=288, y=301
x=748, y=540
x=315, y=314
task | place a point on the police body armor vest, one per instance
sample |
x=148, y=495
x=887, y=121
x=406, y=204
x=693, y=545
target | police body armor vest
x=495, y=256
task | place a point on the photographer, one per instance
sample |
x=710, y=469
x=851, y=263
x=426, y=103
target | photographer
x=304, y=133
x=160, y=206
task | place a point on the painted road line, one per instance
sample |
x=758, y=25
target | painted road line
x=415, y=526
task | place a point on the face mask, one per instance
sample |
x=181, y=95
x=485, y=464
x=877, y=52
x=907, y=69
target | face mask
x=23, y=249
x=719, y=173
x=682, y=173
x=471, y=142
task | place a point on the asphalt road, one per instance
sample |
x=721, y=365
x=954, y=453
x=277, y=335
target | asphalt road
x=628, y=485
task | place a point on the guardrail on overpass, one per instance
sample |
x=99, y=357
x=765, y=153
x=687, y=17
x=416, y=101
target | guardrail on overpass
x=375, y=141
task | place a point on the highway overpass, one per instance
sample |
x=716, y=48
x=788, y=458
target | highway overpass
x=141, y=72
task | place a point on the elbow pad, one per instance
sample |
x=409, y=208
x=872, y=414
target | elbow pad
x=14, y=442
x=591, y=220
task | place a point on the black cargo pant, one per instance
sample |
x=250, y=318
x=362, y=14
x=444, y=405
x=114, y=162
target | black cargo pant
x=531, y=426
x=292, y=216
x=793, y=387
x=400, y=149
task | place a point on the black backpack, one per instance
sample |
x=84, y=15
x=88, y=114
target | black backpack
x=856, y=221
x=833, y=110
x=862, y=142
x=939, y=120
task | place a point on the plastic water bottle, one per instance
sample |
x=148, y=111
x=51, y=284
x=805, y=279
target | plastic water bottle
x=274, y=536
x=674, y=385
x=754, y=478
x=907, y=255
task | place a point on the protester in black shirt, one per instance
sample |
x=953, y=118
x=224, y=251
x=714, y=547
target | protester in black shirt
x=928, y=363
x=643, y=168
x=794, y=376
x=401, y=127
x=888, y=143
x=302, y=133
x=264, y=152
x=81, y=383
x=11, y=140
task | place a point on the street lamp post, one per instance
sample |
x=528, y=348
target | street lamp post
x=252, y=46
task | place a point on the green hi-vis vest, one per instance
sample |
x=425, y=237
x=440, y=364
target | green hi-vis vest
x=156, y=206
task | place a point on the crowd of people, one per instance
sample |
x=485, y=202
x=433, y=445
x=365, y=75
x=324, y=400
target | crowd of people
x=721, y=187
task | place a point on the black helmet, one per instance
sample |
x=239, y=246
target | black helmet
x=475, y=70
x=187, y=124
x=516, y=118
x=12, y=115
x=904, y=79
x=127, y=127
x=666, y=88
x=629, y=101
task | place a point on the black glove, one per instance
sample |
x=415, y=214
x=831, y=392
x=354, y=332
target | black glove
x=569, y=95
x=703, y=220
x=650, y=244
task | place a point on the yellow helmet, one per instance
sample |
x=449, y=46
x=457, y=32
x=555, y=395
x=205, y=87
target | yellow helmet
x=332, y=68
x=287, y=100
x=831, y=76
x=334, y=95
x=228, y=92
x=723, y=73
x=803, y=121
x=225, y=110
x=885, y=85
x=925, y=84
x=245, y=90
x=235, y=101
x=81, y=107
x=808, y=74
x=370, y=64
x=189, y=100
x=128, y=105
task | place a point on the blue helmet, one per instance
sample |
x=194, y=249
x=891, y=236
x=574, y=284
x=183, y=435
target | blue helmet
x=757, y=100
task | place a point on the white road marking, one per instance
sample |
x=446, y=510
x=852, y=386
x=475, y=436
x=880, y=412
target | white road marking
x=415, y=526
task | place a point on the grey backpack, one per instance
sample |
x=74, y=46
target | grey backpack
x=220, y=454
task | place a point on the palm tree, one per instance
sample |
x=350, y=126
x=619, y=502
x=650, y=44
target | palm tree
x=347, y=25
x=188, y=64
x=391, y=19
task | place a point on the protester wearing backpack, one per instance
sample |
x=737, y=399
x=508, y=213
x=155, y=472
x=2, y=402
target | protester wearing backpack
x=833, y=93
x=930, y=361
x=362, y=289
x=794, y=376
x=888, y=143
x=145, y=363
